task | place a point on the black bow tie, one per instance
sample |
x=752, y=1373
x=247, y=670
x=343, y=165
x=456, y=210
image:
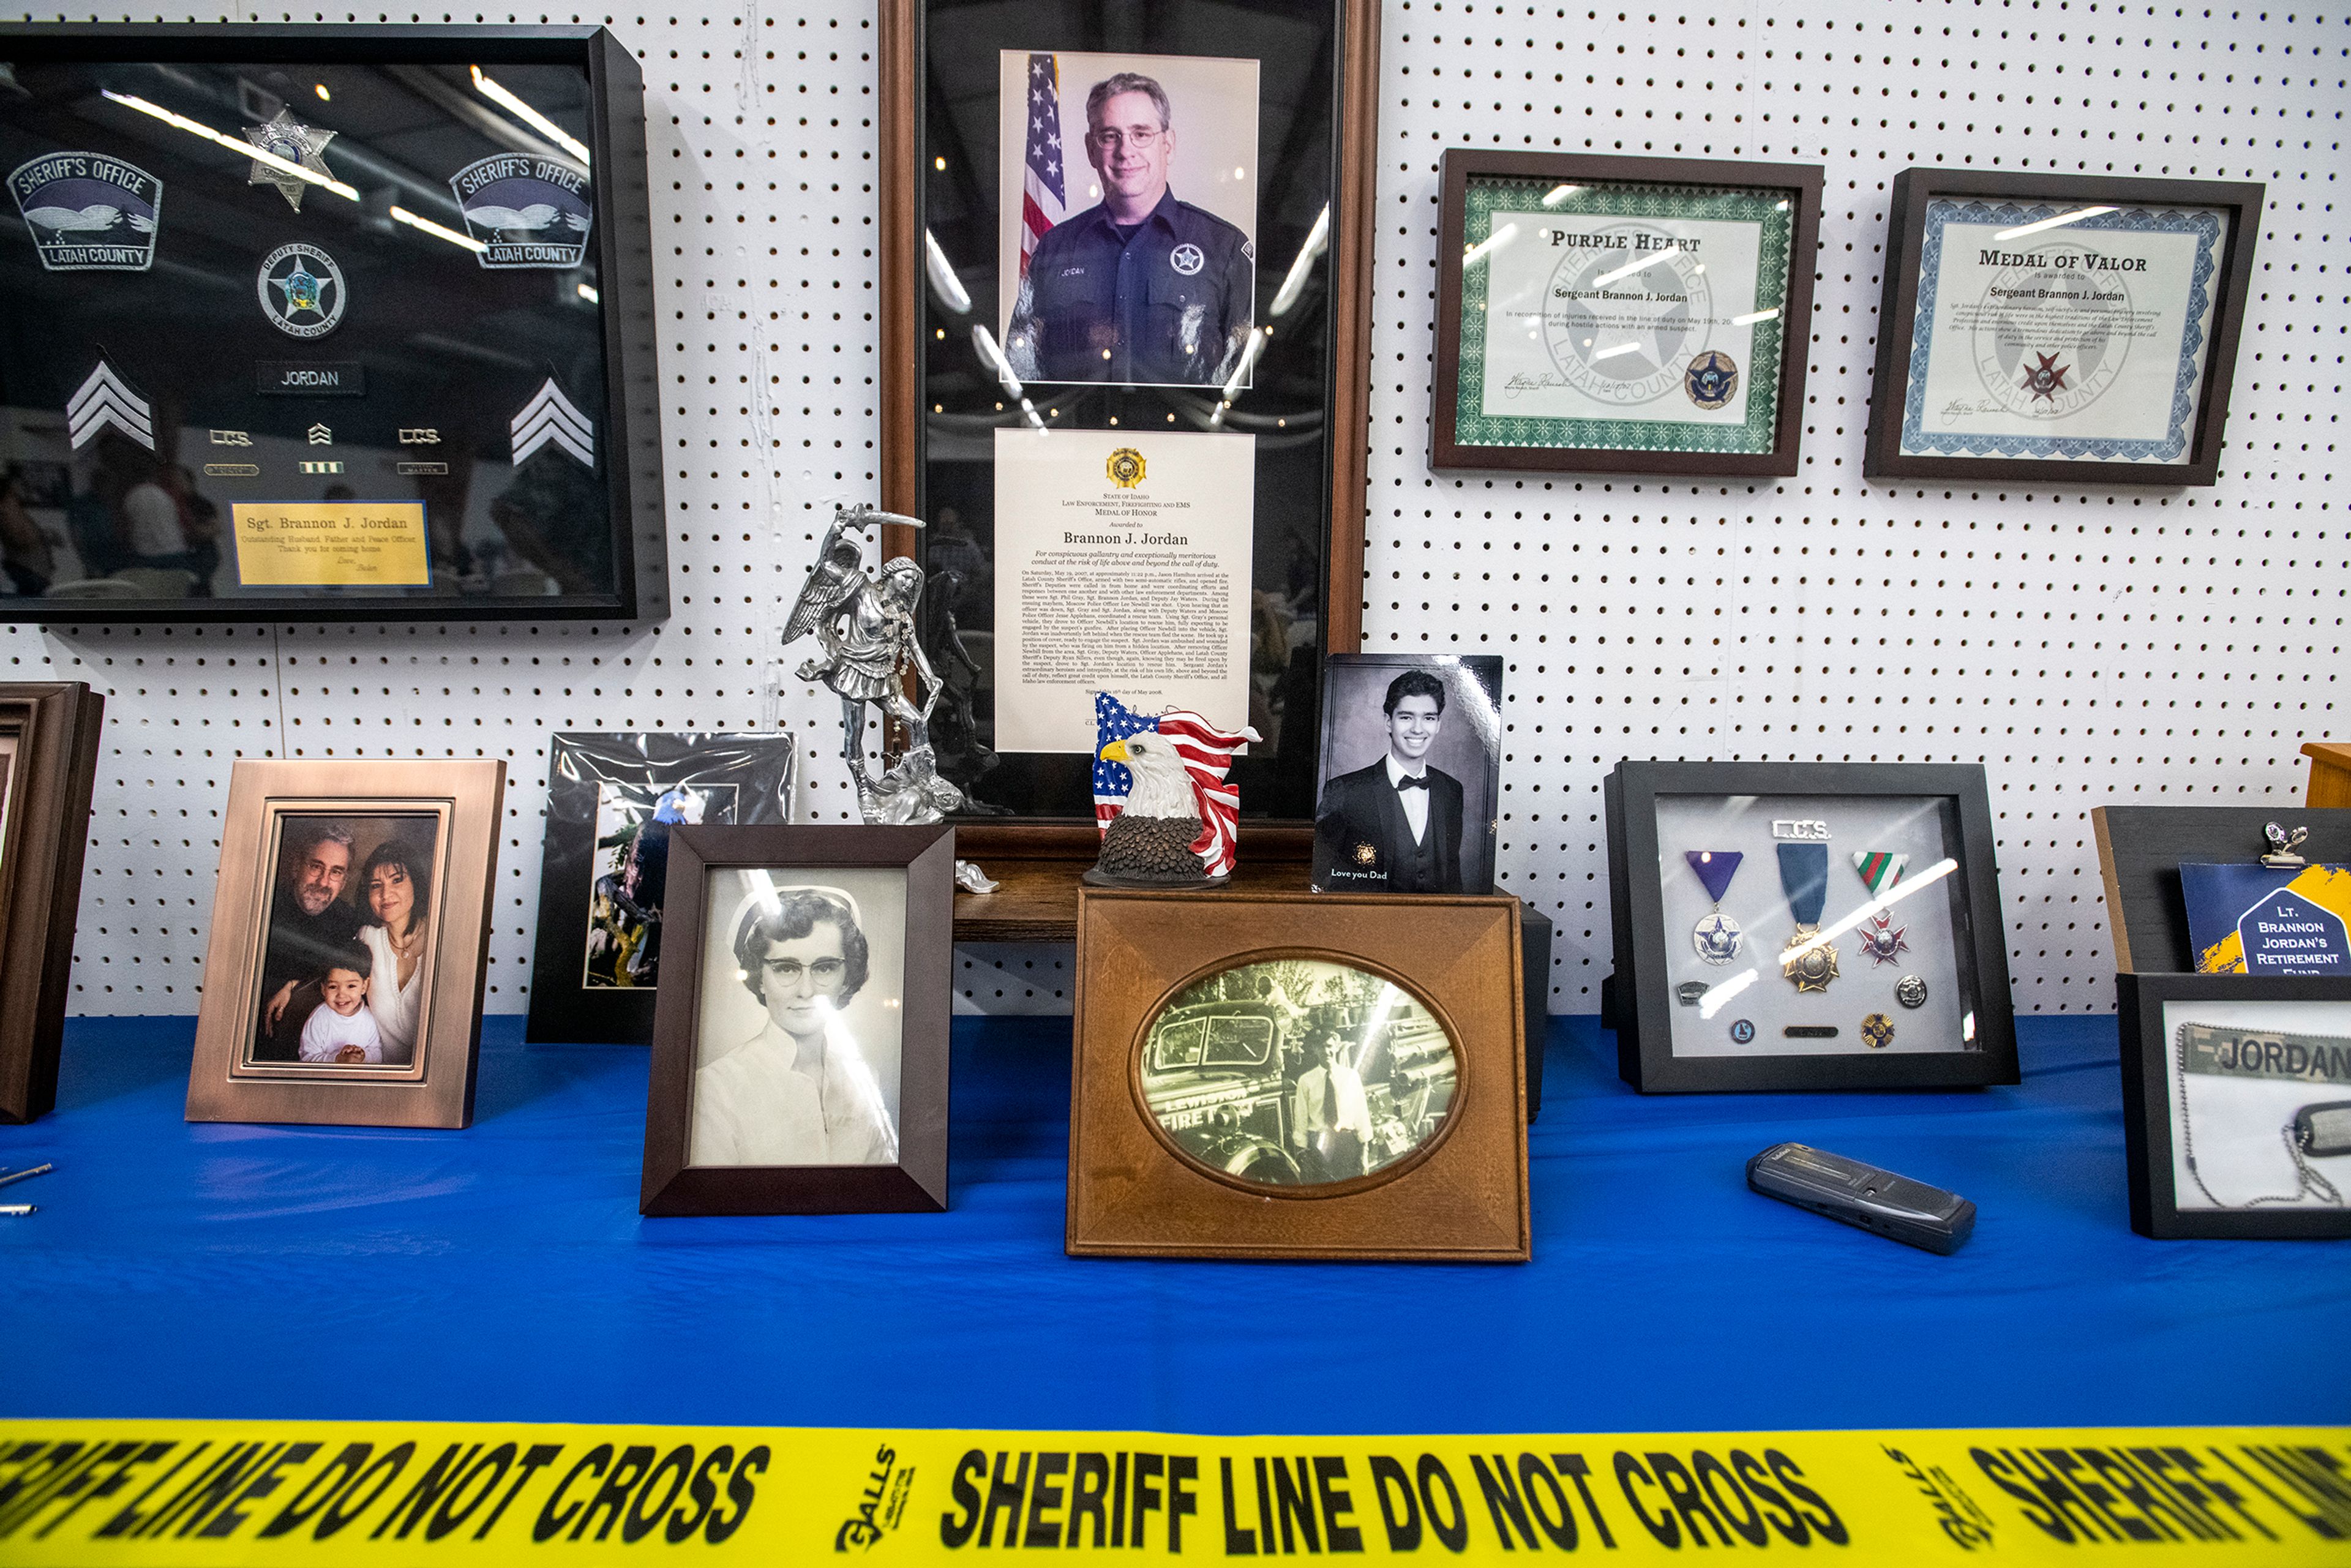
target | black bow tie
x=1413, y=781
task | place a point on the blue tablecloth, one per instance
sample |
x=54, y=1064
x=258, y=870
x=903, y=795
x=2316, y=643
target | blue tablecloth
x=503, y=1273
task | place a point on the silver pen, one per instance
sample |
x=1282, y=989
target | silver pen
x=22, y=1176
x=16, y=1209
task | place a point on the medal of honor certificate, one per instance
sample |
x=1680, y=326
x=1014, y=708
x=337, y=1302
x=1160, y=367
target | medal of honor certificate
x=1122, y=564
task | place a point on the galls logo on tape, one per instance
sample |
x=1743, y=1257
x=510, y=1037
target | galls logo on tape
x=526, y=211
x=301, y=290
x=88, y=213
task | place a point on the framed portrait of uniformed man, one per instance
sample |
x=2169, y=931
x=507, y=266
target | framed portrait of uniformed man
x=800, y=1040
x=1410, y=774
x=1125, y=261
x=1126, y=251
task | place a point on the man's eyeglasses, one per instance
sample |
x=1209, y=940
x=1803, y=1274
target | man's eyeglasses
x=827, y=971
x=1141, y=140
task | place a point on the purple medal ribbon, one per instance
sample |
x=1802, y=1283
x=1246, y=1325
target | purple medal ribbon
x=1715, y=868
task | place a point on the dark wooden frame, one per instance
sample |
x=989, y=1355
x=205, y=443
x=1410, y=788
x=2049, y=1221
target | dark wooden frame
x=48, y=781
x=1643, y=1003
x=1883, y=458
x=1462, y=164
x=562, y=1012
x=2147, y=1103
x=2139, y=852
x=1353, y=200
x=919, y=1183
x=629, y=428
x=438, y=1090
x=1462, y=1197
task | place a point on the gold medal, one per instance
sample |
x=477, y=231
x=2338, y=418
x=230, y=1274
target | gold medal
x=1814, y=966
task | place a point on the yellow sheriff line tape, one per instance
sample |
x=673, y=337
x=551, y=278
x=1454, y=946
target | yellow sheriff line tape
x=195, y=1492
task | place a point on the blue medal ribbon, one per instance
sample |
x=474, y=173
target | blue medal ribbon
x=1804, y=873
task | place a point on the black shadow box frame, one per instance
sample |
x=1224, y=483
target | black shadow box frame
x=627, y=418
x=1639, y=1002
x=2148, y=1104
x=919, y=1183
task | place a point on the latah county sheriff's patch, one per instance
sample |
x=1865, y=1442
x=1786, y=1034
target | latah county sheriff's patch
x=87, y=212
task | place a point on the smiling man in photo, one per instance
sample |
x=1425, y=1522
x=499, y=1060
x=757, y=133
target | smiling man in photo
x=1394, y=826
x=1143, y=288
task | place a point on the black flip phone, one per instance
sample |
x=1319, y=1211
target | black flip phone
x=1863, y=1196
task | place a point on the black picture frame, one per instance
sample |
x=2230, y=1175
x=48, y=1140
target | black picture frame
x=919, y=1183
x=628, y=470
x=1883, y=457
x=2148, y=1106
x=1348, y=818
x=1639, y=1002
x=759, y=767
x=1798, y=185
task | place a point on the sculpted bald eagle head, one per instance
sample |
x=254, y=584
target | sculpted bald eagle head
x=1161, y=787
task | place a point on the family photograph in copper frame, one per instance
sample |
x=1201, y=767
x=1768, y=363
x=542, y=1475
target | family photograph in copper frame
x=347, y=945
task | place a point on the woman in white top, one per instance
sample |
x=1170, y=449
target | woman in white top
x=397, y=883
x=799, y=1093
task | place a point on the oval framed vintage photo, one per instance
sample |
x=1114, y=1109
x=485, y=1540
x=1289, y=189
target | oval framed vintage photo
x=1298, y=1074
x=1199, y=1127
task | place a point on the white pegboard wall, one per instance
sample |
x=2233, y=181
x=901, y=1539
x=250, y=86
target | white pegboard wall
x=2086, y=644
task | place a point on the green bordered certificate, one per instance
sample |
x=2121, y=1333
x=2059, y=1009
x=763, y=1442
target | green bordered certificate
x=1622, y=323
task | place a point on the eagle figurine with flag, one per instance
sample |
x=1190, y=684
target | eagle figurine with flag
x=1168, y=815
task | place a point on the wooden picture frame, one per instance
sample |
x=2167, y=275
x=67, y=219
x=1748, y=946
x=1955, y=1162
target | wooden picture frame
x=1452, y=1191
x=940, y=264
x=1901, y=449
x=1612, y=194
x=739, y=779
x=2271, y=1165
x=443, y=819
x=922, y=927
x=1808, y=1037
x=49, y=733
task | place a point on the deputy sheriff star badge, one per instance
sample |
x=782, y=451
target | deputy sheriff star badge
x=288, y=139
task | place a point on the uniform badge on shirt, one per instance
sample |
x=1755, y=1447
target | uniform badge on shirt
x=1186, y=258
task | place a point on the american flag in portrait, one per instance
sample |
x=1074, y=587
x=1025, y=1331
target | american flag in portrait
x=1207, y=754
x=1042, y=205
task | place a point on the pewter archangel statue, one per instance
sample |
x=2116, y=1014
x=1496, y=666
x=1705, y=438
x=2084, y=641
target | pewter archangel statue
x=866, y=626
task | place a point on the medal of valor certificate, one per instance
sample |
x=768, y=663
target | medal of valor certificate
x=1632, y=318
x=1123, y=565
x=2061, y=331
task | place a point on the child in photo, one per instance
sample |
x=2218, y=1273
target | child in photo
x=342, y=1029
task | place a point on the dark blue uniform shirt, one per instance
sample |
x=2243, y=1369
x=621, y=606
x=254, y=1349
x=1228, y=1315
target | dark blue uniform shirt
x=1169, y=305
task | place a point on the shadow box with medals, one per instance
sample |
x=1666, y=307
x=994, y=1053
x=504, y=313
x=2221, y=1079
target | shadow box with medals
x=1621, y=315
x=326, y=323
x=1308, y=1075
x=1805, y=925
x=1125, y=257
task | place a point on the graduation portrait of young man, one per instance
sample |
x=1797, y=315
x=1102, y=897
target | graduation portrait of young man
x=1394, y=826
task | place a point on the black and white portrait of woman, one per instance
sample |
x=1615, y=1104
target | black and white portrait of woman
x=798, y=1038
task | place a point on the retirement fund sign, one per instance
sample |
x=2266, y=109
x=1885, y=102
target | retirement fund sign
x=185, y=1493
